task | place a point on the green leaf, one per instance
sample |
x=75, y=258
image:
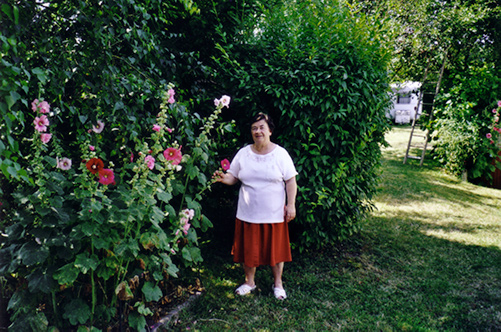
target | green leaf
x=39, y=281
x=32, y=253
x=137, y=321
x=77, y=312
x=151, y=292
x=86, y=263
x=164, y=196
x=67, y=274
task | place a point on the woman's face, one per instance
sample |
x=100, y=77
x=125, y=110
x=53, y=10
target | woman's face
x=260, y=131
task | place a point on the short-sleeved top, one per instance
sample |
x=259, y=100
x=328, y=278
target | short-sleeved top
x=262, y=195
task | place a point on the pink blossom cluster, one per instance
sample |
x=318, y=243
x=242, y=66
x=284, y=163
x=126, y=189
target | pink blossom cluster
x=157, y=128
x=223, y=102
x=495, y=123
x=171, y=94
x=41, y=124
x=186, y=216
x=41, y=121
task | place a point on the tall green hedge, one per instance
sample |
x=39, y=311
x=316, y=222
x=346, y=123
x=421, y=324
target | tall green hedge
x=320, y=71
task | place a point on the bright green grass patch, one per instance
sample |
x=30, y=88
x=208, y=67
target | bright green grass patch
x=428, y=259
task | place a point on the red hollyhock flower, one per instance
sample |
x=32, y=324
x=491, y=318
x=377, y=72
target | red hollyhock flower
x=106, y=176
x=95, y=165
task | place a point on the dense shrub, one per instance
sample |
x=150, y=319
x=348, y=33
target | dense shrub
x=464, y=119
x=320, y=71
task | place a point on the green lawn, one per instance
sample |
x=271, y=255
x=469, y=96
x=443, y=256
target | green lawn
x=428, y=259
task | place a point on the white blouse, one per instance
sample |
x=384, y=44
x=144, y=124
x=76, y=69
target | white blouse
x=262, y=193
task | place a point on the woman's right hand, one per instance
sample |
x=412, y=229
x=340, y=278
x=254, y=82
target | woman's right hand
x=225, y=178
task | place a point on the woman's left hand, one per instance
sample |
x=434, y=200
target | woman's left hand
x=290, y=212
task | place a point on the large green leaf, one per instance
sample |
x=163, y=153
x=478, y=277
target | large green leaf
x=151, y=292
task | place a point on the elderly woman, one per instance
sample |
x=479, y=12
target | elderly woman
x=266, y=204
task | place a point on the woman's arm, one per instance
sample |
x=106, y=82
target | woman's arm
x=291, y=191
x=225, y=178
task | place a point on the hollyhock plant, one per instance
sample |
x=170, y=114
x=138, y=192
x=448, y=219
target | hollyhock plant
x=173, y=155
x=45, y=138
x=144, y=226
x=41, y=123
x=95, y=165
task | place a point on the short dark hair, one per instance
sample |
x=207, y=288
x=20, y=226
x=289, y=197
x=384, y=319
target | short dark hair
x=262, y=116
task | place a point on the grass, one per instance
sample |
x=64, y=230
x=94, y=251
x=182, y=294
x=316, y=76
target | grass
x=428, y=259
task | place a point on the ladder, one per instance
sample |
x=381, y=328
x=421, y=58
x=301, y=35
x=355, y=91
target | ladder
x=426, y=137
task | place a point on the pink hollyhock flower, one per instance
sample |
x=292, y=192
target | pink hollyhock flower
x=170, y=130
x=225, y=164
x=63, y=163
x=174, y=155
x=45, y=138
x=171, y=92
x=217, y=102
x=44, y=107
x=132, y=157
x=106, y=176
x=499, y=103
x=99, y=127
x=34, y=105
x=156, y=127
x=186, y=227
x=494, y=110
x=488, y=135
x=91, y=147
x=188, y=215
x=150, y=161
x=225, y=100
x=41, y=123
x=171, y=100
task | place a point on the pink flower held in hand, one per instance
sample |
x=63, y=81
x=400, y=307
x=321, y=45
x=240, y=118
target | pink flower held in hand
x=225, y=164
x=488, y=135
x=174, y=155
x=41, y=123
x=150, y=161
x=106, y=176
x=45, y=138
x=63, y=163
x=156, y=127
x=99, y=127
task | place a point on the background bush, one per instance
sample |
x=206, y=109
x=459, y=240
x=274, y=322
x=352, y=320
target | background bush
x=320, y=72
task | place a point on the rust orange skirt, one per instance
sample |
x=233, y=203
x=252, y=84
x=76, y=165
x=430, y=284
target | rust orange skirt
x=261, y=244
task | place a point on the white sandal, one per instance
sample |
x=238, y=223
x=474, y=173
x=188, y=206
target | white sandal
x=244, y=289
x=279, y=293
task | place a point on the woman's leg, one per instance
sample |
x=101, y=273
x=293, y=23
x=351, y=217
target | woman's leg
x=250, y=272
x=277, y=274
